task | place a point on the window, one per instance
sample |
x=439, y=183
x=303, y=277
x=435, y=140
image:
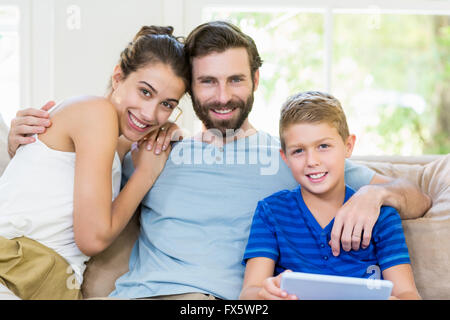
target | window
x=389, y=73
x=390, y=70
x=9, y=62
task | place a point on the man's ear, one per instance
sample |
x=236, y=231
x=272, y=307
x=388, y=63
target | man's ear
x=255, y=80
x=116, y=77
x=349, y=145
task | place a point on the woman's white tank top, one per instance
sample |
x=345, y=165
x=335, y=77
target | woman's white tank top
x=36, y=199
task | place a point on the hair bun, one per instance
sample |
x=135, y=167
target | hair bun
x=154, y=30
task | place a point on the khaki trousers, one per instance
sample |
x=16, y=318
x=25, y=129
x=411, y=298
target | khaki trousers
x=33, y=271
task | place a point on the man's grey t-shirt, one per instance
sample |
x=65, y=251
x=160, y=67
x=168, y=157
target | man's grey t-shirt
x=196, y=218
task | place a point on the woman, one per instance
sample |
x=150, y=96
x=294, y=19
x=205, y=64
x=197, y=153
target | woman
x=55, y=195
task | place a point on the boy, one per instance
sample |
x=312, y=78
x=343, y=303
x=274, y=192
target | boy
x=291, y=229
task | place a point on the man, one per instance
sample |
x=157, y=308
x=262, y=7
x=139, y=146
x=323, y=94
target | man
x=196, y=219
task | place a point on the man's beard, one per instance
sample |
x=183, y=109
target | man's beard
x=233, y=124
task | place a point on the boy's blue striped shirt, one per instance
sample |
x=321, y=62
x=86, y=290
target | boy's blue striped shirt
x=285, y=231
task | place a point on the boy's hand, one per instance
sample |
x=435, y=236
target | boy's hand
x=27, y=122
x=271, y=289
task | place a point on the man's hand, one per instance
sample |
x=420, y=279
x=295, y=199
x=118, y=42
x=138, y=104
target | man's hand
x=355, y=220
x=28, y=122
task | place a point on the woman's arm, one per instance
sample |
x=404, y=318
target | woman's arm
x=259, y=282
x=98, y=221
x=123, y=146
x=403, y=279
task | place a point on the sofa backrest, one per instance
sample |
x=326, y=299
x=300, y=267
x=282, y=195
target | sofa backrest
x=428, y=237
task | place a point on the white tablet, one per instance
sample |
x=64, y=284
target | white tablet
x=308, y=286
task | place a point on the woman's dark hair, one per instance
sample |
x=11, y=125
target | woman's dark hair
x=154, y=44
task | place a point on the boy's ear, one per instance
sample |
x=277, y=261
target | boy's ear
x=349, y=145
x=283, y=156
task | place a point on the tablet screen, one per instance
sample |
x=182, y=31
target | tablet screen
x=310, y=286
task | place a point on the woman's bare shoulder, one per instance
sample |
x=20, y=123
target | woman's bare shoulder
x=85, y=104
x=85, y=110
x=77, y=116
x=87, y=118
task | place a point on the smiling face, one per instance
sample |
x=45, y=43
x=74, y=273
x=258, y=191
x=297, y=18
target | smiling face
x=316, y=153
x=145, y=99
x=222, y=87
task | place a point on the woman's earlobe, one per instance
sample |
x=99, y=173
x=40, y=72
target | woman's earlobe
x=116, y=77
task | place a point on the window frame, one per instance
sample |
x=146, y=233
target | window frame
x=24, y=28
x=193, y=11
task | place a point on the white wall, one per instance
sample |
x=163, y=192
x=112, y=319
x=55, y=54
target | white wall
x=88, y=38
x=75, y=44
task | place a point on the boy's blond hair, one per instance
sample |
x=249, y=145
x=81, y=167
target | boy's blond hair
x=313, y=107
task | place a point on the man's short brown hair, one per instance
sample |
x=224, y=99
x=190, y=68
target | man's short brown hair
x=219, y=36
x=313, y=107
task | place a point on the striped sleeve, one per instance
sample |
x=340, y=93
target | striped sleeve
x=262, y=241
x=391, y=249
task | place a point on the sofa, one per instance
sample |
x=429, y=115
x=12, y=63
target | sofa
x=428, y=237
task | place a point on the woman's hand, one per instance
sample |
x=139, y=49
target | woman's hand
x=148, y=163
x=271, y=289
x=160, y=139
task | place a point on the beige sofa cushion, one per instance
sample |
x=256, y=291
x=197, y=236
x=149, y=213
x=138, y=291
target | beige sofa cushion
x=428, y=238
x=103, y=269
